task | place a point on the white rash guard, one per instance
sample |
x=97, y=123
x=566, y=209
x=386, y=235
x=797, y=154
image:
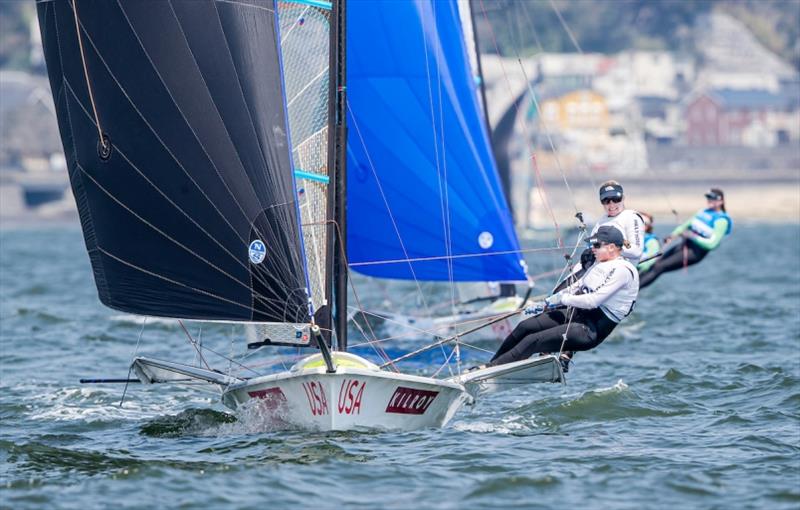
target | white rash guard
x=632, y=227
x=611, y=286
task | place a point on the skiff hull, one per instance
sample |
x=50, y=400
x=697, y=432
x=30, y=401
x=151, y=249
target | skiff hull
x=351, y=398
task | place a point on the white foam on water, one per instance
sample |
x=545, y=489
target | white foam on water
x=93, y=405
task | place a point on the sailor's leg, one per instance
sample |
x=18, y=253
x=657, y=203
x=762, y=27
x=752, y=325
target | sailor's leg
x=530, y=326
x=669, y=262
x=579, y=338
x=695, y=254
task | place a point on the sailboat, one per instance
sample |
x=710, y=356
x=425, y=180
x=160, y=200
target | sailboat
x=425, y=200
x=206, y=142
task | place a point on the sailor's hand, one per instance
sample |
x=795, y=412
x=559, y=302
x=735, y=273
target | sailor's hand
x=688, y=234
x=554, y=300
x=535, y=308
x=626, y=244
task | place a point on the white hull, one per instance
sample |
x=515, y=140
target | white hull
x=351, y=398
x=357, y=396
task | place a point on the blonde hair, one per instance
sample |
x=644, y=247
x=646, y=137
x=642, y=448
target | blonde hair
x=610, y=183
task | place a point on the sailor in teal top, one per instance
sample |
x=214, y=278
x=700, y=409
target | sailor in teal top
x=694, y=239
x=652, y=245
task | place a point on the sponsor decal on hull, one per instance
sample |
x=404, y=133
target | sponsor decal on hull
x=350, y=395
x=410, y=401
x=317, y=401
x=270, y=398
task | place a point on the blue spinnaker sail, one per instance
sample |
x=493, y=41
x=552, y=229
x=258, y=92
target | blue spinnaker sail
x=422, y=184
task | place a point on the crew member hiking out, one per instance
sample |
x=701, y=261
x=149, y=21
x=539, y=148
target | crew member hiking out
x=693, y=240
x=586, y=311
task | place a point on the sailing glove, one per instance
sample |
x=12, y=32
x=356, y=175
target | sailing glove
x=535, y=309
x=554, y=300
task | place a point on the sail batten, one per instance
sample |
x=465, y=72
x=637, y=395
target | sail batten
x=194, y=212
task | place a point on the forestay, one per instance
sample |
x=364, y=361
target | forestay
x=193, y=211
x=424, y=198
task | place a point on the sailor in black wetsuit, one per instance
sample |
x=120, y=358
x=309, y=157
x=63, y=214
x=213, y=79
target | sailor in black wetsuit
x=597, y=302
x=694, y=239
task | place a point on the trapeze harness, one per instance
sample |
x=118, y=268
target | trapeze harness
x=599, y=301
x=689, y=251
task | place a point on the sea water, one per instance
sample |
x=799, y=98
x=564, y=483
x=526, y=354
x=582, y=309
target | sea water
x=693, y=403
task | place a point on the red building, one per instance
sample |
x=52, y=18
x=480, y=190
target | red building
x=723, y=116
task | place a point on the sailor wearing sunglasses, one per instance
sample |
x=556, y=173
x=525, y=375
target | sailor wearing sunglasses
x=581, y=316
x=628, y=221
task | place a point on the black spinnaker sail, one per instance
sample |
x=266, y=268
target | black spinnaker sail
x=192, y=213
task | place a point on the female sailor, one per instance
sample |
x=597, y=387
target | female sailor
x=694, y=239
x=581, y=316
x=628, y=221
x=652, y=245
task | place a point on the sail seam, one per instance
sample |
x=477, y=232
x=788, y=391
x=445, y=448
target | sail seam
x=178, y=208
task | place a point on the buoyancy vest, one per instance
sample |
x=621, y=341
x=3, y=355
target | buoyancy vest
x=704, y=221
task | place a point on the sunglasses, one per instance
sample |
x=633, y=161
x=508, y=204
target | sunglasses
x=598, y=245
x=607, y=201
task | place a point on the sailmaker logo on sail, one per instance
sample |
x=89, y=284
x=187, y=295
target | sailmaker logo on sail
x=257, y=252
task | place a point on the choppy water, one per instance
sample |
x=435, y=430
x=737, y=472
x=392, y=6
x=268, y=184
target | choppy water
x=695, y=403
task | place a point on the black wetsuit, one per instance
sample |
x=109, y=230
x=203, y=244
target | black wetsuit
x=544, y=333
x=684, y=254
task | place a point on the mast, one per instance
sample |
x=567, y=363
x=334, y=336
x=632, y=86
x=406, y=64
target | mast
x=480, y=72
x=339, y=157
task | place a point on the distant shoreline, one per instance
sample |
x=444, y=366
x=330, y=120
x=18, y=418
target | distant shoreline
x=772, y=197
x=766, y=198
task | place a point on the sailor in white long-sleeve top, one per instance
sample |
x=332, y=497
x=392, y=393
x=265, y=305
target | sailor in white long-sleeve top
x=601, y=299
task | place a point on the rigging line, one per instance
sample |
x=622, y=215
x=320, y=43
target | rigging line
x=264, y=175
x=154, y=132
x=194, y=344
x=519, y=120
x=661, y=190
x=385, y=201
x=343, y=254
x=441, y=162
x=245, y=4
x=163, y=144
x=311, y=82
x=373, y=345
x=432, y=332
x=441, y=170
x=222, y=356
x=295, y=24
x=461, y=256
x=570, y=264
x=174, y=282
x=446, y=363
x=532, y=94
x=130, y=368
x=530, y=23
x=566, y=28
x=164, y=195
x=566, y=331
x=289, y=218
x=167, y=236
x=86, y=74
